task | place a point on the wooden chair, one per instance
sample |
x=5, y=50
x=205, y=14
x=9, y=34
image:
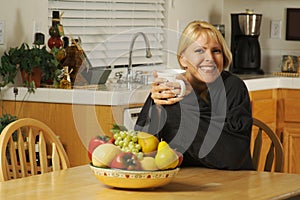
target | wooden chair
x=29, y=147
x=267, y=150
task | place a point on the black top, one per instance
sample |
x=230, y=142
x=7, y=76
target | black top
x=213, y=133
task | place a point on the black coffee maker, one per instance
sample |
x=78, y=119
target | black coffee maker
x=245, y=48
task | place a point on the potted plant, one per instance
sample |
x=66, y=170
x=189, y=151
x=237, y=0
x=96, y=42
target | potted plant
x=31, y=61
x=28, y=60
x=5, y=120
x=8, y=68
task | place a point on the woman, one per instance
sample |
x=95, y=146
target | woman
x=211, y=124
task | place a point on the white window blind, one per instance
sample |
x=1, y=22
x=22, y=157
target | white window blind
x=106, y=28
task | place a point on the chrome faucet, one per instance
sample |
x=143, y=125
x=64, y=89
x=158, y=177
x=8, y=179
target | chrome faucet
x=148, y=54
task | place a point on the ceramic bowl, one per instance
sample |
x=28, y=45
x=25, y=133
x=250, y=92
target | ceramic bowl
x=134, y=179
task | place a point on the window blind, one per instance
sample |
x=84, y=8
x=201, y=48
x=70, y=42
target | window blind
x=106, y=28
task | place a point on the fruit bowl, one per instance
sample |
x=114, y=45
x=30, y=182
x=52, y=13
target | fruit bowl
x=133, y=179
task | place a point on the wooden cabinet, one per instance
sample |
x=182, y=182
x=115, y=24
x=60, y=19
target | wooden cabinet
x=264, y=106
x=288, y=124
x=291, y=143
x=74, y=124
x=279, y=108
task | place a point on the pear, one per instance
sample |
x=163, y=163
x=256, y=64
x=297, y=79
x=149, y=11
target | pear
x=147, y=141
x=166, y=157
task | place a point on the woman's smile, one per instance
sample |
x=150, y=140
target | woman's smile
x=207, y=69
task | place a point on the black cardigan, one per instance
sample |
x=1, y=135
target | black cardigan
x=214, y=133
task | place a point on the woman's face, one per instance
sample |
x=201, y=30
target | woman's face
x=203, y=60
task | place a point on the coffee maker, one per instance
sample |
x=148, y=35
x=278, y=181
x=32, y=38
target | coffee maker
x=245, y=48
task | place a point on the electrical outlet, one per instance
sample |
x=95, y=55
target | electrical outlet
x=275, y=32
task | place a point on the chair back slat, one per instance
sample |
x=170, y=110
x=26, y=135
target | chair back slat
x=6, y=167
x=55, y=158
x=31, y=152
x=18, y=142
x=270, y=158
x=21, y=152
x=43, y=153
x=13, y=157
x=267, y=152
x=257, y=148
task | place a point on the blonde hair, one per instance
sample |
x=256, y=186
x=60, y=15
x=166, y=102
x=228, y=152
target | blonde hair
x=196, y=28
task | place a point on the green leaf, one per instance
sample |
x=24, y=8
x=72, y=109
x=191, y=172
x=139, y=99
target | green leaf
x=5, y=120
x=117, y=128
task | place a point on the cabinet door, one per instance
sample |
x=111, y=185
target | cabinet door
x=264, y=106
x=291, y=143
x=291, y=110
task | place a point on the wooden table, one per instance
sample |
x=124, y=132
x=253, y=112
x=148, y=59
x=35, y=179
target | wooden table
x=190, y=183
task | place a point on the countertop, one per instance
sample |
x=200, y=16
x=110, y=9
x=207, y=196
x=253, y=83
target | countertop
x=104, y=95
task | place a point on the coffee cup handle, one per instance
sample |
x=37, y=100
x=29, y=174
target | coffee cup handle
x=182, y=88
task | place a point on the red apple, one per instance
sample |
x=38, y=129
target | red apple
x=180, y=158
x=96, y=141
x=126, y=160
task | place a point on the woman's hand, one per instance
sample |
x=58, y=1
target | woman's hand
x=165, y=93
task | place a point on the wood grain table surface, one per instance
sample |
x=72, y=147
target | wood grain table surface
x=190, y=183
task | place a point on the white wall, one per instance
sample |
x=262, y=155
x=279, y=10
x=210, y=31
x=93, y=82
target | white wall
x=22, y=19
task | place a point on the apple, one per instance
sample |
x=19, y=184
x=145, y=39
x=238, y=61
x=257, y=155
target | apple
x=180, y=158
x=103, y=154
x=96, y=141
x=127, y=161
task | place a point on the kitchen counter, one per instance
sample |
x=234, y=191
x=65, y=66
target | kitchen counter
x=265, y=83
x=104, y=95
x=99, y=96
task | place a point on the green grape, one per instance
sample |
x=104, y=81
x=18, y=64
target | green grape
x=125, y=143
x=119, y=138
x=140, y=155
x=134, y=138
x=128, y=137
x=123, y=134
x=130, y=146
x=138, y=146
x=121, y=143
x=126, y=149
x=128, y=142
x=134, y=150
x=117, y=142
x=116, y=135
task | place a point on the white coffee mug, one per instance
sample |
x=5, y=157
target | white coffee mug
x=171, y=76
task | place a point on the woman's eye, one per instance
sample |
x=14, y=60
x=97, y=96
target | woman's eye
x=199, y=50
x=217, y=51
